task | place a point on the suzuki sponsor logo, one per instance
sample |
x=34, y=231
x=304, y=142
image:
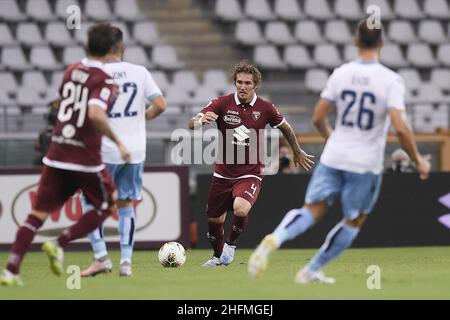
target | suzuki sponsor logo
x=240, y=133
x=231, y=119
x=71, y=211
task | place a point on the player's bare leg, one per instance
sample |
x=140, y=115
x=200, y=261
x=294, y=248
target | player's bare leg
x=241, y=208
x=338, y=239
x=293, y=224
x=216, y=238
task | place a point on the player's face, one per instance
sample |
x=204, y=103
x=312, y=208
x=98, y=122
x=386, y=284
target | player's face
x=245, y=87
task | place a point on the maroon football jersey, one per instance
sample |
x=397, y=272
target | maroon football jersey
x=75, y=141
x=242, y=128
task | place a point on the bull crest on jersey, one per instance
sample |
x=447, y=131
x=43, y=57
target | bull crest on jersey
x=256, y=115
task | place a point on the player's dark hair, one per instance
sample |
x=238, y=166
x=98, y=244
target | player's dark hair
x=101, y=38
x=246, y=67
x=118, y=39
x=368, y=36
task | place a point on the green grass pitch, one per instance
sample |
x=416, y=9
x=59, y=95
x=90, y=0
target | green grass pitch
x=406, y=273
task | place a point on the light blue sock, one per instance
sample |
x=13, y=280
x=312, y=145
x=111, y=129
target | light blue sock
x=337, y=240
x=294, y=223
x=126, y=231
x=98, y=243
x=95, y=237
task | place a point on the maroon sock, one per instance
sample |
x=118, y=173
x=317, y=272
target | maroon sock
x=87, y=223
x=215, y=236
x=24, y=237
x=237, y=227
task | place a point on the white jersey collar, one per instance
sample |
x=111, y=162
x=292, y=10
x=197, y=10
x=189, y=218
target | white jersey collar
x=238, y=102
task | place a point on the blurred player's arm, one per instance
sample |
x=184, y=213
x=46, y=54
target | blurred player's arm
x=300, y=156
x=100, y=120
x=406, y=137
x=201, y=119
x=158, y=106
x=319, y=118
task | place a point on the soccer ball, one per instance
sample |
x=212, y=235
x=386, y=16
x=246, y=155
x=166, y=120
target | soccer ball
x=172, y=255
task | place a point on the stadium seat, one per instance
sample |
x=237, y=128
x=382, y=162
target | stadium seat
x=249, y=33
x=161, y=80
x=431, y=31
x=441, y=78
x=43, y=58
x=297, y=57
x=288, y=10
x=327, y=55
x=385, y=8
x=268, y=57
x=128, y=10
x=437, y=9
x=146, y=33
x=177, y=96
x=9, y=82
x=420, y=55
x=259, y=10
x=185, y=79
x=348, y=9
x=61, y=8
x=10, y=11
x=56, y=78
x=411, y=78
x=318, y=9
x=28, y=97
x=34, y=80
x=337, y=31
x=203, y=95
x=308, y=32
x=429, y=118
x=127, y=39
x=5, y=100
x=428, y=93
x=229, y=10
x=166, y=57
x=6, y=36
x=14, y=59
x=408, y=9
x=401, y=32
x=56, y=33
x=443, y=54
x=316, y=79
x=278, y=33
x=392, y=56
x=73, y=55
x=350, y=53
x=216, y=79
x=28, y=34
x=98, y=10
x=137, y=55
x=39, y=10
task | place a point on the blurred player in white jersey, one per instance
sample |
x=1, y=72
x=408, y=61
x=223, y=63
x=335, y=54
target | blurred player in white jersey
x=127, y=117
x=367, y=97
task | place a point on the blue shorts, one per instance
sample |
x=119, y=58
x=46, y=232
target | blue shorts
x=359, y=192
x=128, y=179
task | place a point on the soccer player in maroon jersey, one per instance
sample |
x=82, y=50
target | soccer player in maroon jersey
x=73, y=160
x=241, y=118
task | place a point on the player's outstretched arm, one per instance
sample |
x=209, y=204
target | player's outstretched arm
x=300, y=156
x=406, y=137
x=201, y=119
x=319, y=118
x=157, y=107
x=98, y=116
